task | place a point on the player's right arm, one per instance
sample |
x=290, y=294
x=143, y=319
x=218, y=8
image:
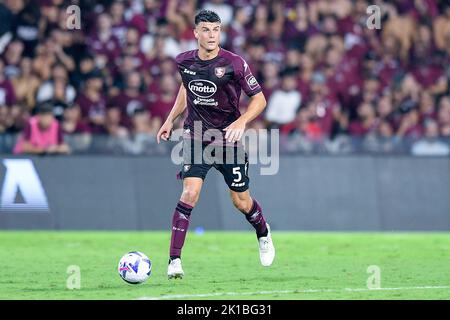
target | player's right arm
x=177, y=109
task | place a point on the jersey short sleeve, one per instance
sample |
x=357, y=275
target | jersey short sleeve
x=245, y=77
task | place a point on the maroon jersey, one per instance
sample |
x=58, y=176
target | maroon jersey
x=214, y=87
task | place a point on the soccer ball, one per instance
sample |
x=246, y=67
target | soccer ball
x=134, y=267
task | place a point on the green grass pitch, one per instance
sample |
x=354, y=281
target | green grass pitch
x=225, y=265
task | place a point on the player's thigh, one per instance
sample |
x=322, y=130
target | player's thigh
x=193, y=162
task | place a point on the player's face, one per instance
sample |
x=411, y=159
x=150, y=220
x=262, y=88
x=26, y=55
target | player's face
x=208, y=35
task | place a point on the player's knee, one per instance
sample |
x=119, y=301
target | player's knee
x=190, y=196
x=242, y=205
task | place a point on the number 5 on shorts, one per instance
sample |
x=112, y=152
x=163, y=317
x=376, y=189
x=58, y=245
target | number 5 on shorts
x=236, y=170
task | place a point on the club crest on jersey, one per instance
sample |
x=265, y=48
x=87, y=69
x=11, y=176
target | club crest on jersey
x=219, y=72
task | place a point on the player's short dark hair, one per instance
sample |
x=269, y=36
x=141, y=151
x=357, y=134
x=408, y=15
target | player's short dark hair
x=207, y=16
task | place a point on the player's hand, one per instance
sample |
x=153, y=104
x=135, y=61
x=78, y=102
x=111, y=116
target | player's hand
x=235, y=131
x=165, y=131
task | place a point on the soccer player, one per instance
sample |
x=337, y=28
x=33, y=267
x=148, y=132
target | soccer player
x=212, y=80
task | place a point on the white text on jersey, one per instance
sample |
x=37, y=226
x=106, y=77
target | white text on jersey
x=189, y=72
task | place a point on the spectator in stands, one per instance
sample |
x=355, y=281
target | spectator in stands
x=26, y=84
x=12, y=118
x=441, y=28
x=237, y=30
x=270, y=71
x=43, y=61
x=306, y=133
x=426, y=106
x=158, y=54
x=308, y=126
x=445, y=132
x=430, y=145
x=256, y=55
x=168, y=67
x=5, y=119
x=131, y=98
x=367, y=121
x=103, y=43
x=180, y=16
x=259, y=22
x=410, y=127
x=43, y=134
x=143, y=132
x=57, y=88
x=168, y=89
x=161, y=43
x=7, y=93
x=322, y=103
x=59, y=42
x=84, y=68
x=26, y=25
x=305, y=78
x=147, y=17
x=125, y=65
x=72, y=122
x=113, y=120
x=92, y=101
x=12, y=58
x=119, y=26
x=444, y=117
x=284, y=103
x=76, y=132
x=385, y=137
x=384, y=107
x=143, y=123
x=131, y=48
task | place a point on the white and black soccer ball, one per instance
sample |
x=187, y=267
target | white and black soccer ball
x=134, y=267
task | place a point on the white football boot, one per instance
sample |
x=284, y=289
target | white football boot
x=266, y=249
x=174, y=270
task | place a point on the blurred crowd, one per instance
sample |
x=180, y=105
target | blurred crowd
x=332, y=83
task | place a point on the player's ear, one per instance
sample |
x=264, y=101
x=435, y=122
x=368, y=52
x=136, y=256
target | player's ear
x=196, y=33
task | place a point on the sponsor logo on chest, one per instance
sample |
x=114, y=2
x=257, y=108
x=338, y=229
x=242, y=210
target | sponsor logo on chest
x=202, y=88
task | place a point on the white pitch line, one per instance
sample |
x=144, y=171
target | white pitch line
x=218, y=294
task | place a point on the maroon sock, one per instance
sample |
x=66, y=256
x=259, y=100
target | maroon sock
x=256, y=219
x=180, y=224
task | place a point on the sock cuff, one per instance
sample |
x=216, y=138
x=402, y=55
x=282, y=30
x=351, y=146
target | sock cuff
x=184, y=208
x=255, y=206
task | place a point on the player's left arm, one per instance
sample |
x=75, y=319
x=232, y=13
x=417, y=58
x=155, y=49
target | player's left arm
x=235, y=130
